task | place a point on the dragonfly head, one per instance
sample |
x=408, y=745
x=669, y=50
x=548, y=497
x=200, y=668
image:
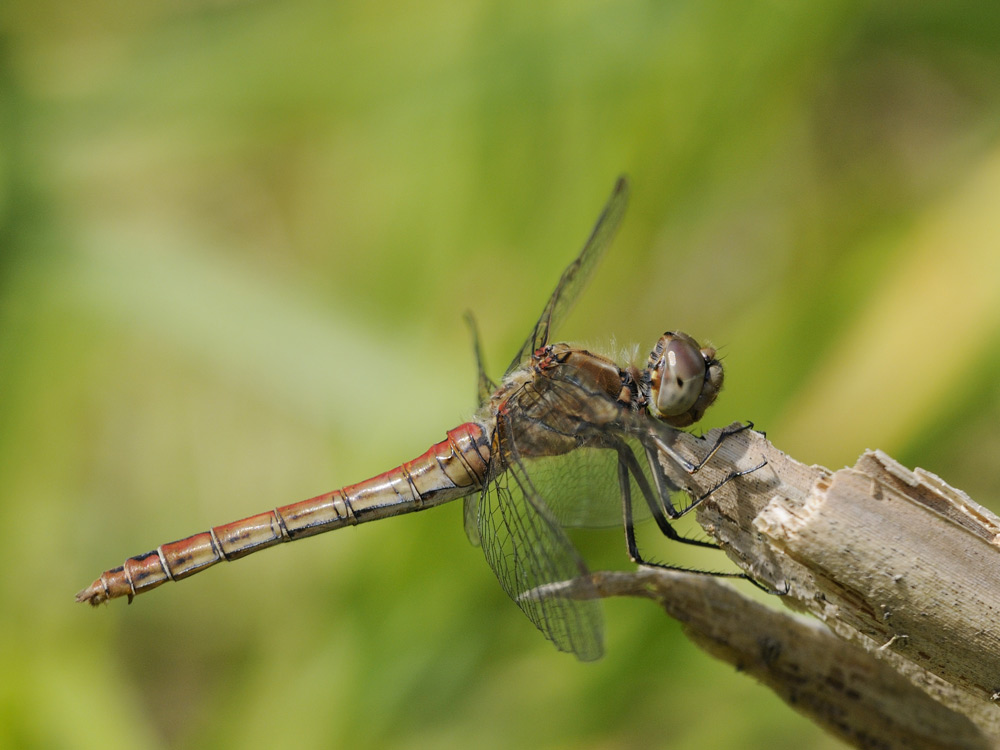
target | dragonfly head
x=681, y=379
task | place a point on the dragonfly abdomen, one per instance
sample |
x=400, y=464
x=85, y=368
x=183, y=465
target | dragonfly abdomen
x=448, y=470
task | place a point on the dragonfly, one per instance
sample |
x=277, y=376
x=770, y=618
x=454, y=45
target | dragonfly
x=567, y=438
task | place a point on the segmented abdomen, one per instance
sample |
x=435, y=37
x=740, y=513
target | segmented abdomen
x=448, y=470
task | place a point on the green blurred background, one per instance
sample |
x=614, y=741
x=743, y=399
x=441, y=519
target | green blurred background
x=237, y=241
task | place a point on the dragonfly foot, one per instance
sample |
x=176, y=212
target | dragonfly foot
x=784, y=591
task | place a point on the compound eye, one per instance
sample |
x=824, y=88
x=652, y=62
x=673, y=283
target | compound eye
x=678, y=376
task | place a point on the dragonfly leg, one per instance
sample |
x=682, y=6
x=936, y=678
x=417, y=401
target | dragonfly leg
x=633, y=547
x=659, y=504
x=726, y=480
x=665, y=486
x=626, y=489
x=692, y=468
x=628, y=468
x=655, y=446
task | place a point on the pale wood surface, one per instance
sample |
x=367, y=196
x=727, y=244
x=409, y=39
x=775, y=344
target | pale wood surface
x=903, y=571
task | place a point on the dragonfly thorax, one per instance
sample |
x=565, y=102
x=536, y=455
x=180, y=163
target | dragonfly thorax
x=681, y=380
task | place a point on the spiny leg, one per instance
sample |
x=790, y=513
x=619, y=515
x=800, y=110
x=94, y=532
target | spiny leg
x=665, y=487
x=655, y=446
x=628, y=465
x=686, y=465
x=658, y=506
x=633, y=547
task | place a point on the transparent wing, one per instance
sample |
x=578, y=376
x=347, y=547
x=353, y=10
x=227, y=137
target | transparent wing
x=470, y=516
x=667, y=472
x=579, y=480
x=576, y=275
x=485, y=386
x=526, y=548
x=581, y=488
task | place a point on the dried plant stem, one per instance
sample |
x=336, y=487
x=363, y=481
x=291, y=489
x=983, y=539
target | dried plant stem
x=903, y=570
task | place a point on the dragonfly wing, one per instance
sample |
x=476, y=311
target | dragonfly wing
x=580, y=486
x=527, y=549
x=576, y=275
x=485, y=385
x=582, y=489
x=657, y=441
x=470, y=515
